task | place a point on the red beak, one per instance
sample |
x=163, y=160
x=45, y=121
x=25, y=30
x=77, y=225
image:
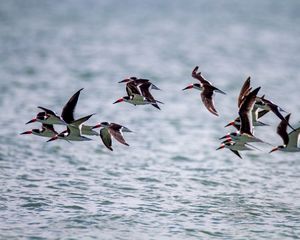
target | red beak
x=53, y=138
x=273, y=150
x=226, y=136
x=97, y=126
x=222, y=146
x=27, y=132
x=188, y=87
x=229, y=124
x=31, y=121
x=125, y=80
x=119, y=100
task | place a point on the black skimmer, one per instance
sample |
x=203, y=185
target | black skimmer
x=245, y=133
x=256, y=114
x=266, y=104
x=234, y=146
x=47, y=117
x=67, y=115
x=291, y=140
x=207, y=90
x=245, y=114
x=47, y=130
x=112, y=129
x=73, y=132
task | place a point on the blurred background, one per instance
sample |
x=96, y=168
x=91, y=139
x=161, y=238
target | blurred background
x=170, y=183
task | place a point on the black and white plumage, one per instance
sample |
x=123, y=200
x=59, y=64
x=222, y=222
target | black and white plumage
x=207, y=91
x=291, y=140
x=109, y=130
x=47, y=130
x=138, y=92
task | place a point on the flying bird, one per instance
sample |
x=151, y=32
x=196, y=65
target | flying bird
x=207, y=91
x=234, y=146
x=290, y=141
x=139, y=94
x=50, y=117
x=47, y=130
x=266, y=104
x=73, y=132
x=110, y=130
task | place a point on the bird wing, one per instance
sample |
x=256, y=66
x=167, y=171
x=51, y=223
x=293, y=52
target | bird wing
x=106, y=138
x=48, y=111
x=236, y=153
x=293, y=138
x=244, y=91
x=245, y=112
x=281, y=129
x=146, y=93
x=198, y=76
x=49, y=127
x=77, y=124
x=275, y=109
x=262, y=113
x=115, y=130
x=131, y=88
x=207, y=99
x=67, y=113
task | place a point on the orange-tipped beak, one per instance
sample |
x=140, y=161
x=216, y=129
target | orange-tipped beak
x=229, y=124
x=27, y=132
x=222, y=146
x=53, y=138
x=119, y=100
x=274, y=149
x=226, y=136
x=188, y=87
x=97, y=126
x=32, y=120
x=124, y=80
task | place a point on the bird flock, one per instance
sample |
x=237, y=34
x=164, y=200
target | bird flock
x=251, y=108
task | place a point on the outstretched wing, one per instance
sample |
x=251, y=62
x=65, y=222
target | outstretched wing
x=131, y=88
x=67, y=113
x=236, y=153
x=282, y=129
x=49, y=127
x=245, y=112
x=48, y=111
x=207, y=99
x=115, y=130
x=244, y=91
x=198, y=76
x=106, y=138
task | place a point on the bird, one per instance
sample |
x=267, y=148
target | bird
x=73, y=132
x=245, y=114
x=234, y=146
x=256, y=113
x=47, y=117
x=290, y=141
x=207, y=90
x=67, y=115
x=110, y=130
x=139, y=94
x=266, y=104
x=47, y=130
x=245, y=133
